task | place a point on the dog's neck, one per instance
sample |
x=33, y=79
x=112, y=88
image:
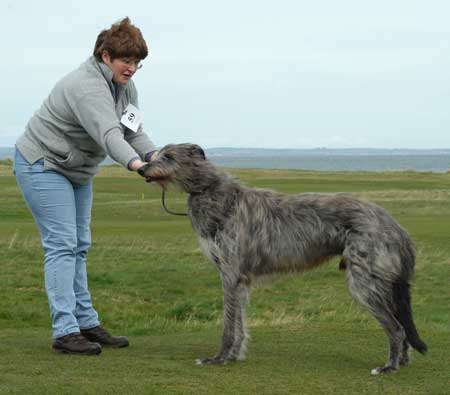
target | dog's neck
x=211, y=209
x=211, y=183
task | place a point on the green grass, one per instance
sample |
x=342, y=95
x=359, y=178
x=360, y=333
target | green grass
x=150, y=281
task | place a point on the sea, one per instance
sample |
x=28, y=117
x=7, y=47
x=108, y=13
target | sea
x=322, y=159
x=372, y=160
x=372, y=163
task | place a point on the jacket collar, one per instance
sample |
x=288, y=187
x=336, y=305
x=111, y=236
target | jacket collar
x=116, y=89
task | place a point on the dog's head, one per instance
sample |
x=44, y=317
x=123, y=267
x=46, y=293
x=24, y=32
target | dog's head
x=182, y=164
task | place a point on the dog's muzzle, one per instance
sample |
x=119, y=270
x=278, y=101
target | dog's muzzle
x=147, y=177
x=142, y=169
x=141, y=172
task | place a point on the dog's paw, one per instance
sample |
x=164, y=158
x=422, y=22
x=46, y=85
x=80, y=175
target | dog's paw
x=383, y=370
x=211, y=361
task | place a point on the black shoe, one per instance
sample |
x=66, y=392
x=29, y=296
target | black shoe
x=74, y=343
x=102, y=336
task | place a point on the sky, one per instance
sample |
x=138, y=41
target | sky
x=250, y=73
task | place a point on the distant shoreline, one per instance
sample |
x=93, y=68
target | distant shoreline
x=247, y=151
x=322, y=159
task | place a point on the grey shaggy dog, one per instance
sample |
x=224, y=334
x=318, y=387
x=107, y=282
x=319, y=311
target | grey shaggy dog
x=249, y=233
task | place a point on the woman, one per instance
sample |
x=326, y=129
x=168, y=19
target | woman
x=90, y=113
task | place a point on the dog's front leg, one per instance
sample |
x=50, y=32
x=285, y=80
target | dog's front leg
x=230, y=311
x=240, y=332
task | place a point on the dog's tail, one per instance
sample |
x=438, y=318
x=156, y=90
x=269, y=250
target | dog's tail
x=403, y=313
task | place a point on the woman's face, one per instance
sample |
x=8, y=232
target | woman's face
x=123, y=68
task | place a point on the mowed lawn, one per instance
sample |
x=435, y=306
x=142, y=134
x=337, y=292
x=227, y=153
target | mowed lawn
x=150, y=281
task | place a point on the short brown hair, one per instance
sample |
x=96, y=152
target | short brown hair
x=121, y=40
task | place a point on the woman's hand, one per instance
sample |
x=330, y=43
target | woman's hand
x=154, y=155
x=137, y=164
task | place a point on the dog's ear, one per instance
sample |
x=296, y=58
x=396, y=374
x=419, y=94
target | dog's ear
x=197, y=150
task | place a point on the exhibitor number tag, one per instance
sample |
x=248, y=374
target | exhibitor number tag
x=131, y=118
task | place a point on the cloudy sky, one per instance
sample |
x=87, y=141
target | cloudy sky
x=250, y=73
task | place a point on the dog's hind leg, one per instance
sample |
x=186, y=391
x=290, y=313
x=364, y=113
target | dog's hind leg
x=375, y=294
x=404, y=356
x=232, y=319
x=396, y=335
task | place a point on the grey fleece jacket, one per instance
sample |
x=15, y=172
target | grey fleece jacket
x=79, y=124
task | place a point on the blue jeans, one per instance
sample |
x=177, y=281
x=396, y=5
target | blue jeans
x=62, y=213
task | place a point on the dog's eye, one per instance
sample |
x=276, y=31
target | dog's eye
x=168, y=157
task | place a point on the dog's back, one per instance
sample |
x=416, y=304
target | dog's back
x=277, y=232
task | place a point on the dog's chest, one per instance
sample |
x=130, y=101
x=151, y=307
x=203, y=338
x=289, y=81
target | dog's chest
x=205, y=225
x=209, y=215
x=211, y=251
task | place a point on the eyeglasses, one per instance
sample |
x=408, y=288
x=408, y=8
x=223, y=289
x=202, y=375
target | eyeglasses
x=130, y=62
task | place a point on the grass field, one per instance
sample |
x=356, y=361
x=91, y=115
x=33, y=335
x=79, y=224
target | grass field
x=149, y=281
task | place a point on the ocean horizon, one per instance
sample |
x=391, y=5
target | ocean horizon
x=322, y=159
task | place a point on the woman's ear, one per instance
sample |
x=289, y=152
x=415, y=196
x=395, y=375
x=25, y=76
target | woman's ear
x=105, y=57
